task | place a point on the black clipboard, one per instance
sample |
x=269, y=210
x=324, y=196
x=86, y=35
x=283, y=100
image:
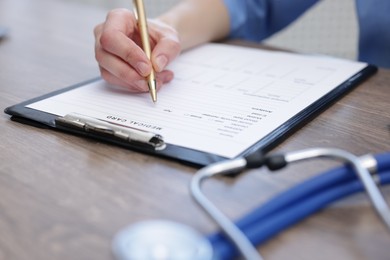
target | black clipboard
x=34, y=117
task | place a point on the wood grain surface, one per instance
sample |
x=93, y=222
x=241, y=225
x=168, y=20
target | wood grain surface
x=65, y=197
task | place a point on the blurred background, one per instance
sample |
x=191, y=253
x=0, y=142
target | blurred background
x=330, y=27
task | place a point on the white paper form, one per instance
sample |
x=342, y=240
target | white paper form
x=222, y=100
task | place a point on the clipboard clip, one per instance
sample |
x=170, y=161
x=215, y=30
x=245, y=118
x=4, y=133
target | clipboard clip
x=111, y=130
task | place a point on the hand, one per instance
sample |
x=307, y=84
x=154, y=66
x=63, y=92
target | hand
x=118, y=50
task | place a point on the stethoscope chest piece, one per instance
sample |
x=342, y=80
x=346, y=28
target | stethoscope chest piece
x=160, y=239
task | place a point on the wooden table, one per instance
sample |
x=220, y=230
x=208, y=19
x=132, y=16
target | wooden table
x=64, y=197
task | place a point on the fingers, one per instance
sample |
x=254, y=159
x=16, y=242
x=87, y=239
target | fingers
x=119, y=37
x=139, y=85
x=136, y=85
x=167, y=48
x=123, y=62
x=114, y=68
x=115, y=71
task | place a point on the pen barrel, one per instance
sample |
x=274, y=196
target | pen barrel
x=151, y=76
x=143, y=26
x=143, y=30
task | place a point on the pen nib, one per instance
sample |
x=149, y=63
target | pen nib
x=152, y=89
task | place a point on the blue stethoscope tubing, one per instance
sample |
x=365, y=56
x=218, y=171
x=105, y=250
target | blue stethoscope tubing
x=297, y=203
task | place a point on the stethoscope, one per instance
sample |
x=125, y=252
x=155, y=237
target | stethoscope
x=170, y=240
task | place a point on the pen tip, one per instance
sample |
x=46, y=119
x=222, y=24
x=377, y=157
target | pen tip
x=154, y=95
x=152, y=90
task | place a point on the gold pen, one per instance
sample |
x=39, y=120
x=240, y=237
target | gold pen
x=143, y=28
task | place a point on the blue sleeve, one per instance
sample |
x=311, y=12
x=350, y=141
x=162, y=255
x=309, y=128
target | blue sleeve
x=374, y=33
x=255, y=20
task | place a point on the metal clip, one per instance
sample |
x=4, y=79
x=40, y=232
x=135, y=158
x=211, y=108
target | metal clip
x=101, y=127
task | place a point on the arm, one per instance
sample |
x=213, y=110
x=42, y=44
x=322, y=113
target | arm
x=198, y=21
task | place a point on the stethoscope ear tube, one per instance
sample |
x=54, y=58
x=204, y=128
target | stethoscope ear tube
x=246, y=248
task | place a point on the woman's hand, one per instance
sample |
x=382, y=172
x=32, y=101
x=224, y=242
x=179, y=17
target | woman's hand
x=122, y=61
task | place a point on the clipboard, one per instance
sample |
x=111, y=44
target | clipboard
x=107, y=131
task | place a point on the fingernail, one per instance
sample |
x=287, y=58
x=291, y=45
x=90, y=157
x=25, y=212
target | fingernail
x=161, y=62
x=143, y=68
x=140, y=85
